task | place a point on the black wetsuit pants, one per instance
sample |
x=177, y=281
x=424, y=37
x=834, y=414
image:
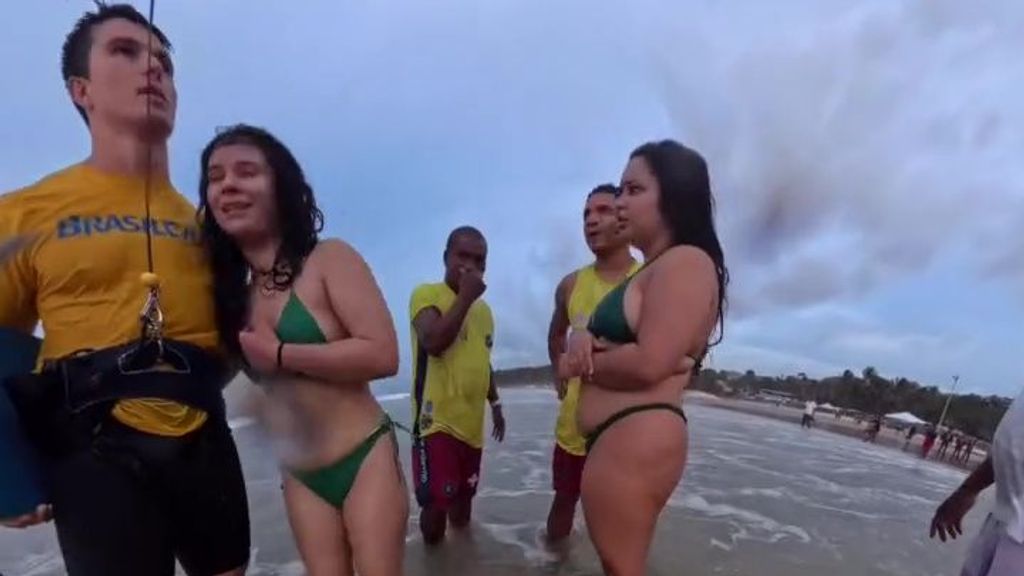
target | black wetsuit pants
x=129, y=503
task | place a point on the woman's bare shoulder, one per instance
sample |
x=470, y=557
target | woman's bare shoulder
x=333, y=253
x=337, y=262
x=684, y=260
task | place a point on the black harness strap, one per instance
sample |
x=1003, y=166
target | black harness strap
x=422, y=481
x=176, y=371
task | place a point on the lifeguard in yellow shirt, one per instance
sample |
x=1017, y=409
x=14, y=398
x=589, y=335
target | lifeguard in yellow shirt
x=575, y=299
x=141, y=466
x=452, y=337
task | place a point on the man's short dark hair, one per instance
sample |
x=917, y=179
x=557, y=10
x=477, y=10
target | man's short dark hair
x=604, y=189
x=462, y=231
x=74, y=59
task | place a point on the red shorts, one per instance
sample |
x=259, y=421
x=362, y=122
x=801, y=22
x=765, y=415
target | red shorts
x=926, y=446
x=566, y=472
x=452, y=471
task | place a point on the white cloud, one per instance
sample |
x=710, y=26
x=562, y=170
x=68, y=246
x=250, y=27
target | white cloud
x=770, y=361
x=885, y=345
x=893, y=125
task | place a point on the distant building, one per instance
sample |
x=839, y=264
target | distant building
x=769, y=395
x=723, y=388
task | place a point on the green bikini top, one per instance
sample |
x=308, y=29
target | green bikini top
x=608, y=321
x=296, y=324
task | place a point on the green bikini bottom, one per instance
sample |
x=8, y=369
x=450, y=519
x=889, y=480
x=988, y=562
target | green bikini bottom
x=593, y=436
x=334, y=481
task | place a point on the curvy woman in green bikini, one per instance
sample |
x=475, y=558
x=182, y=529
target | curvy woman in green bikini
x=643, y=344
x=311, y=323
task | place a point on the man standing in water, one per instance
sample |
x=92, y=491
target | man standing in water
x=152, y=475
x=944, y=441
x=575, y=298
x=808, y=419
x=998, y=549
x=452, y=333
x=910, y=437
x=929, y=440
x=873, y=429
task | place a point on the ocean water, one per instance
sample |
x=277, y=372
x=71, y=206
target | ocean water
x=759, y=497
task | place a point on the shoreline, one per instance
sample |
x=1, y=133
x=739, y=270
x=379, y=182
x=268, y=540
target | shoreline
x=846, y=426
x=887, y=437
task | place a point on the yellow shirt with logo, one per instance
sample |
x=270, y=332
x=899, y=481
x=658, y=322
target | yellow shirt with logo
x=453, y=386
x=587, y=291
x=80, y=274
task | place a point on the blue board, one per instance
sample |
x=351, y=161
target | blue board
x=20, y=481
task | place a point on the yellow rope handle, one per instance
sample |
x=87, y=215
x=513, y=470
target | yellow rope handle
x=152, y=315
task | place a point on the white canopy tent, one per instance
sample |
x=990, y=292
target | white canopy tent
x=904, y=418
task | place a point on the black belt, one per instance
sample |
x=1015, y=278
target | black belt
x=187, y=374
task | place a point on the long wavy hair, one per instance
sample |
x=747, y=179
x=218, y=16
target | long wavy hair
x=298, y=220
x=687, y=206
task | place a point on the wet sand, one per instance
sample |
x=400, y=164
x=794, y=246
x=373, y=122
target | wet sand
x=760, y=497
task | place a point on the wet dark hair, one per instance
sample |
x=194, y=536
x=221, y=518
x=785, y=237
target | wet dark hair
x=687, y=206
x=604, y=189
x=462, y=231
x=74, y=58
x=299, y=223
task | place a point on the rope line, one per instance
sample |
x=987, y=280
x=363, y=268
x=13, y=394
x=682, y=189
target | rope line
x=152, y=317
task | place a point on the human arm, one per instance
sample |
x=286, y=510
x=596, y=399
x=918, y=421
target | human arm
x=436, y=331
x=17, y=275
x=677, y=300
x=42, y=513
x=557, y=330
x=497, y=416
x=949, y=514
x=370, y=351
x=18, y=312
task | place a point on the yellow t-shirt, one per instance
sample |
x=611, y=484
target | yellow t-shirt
x=453, y=387
x=80, y=274
x=587, y=291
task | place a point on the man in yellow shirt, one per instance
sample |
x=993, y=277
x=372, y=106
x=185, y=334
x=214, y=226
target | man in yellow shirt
x=575, y=299
x=141, y=468
x=452, y=337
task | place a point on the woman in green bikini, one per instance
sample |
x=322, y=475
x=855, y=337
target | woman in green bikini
x=309, y=321
x=642, y=346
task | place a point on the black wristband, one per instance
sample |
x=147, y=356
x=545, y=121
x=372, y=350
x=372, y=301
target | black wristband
x=280, y=349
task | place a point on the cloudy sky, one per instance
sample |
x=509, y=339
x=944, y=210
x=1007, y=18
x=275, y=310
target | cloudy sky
x=865, y=154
